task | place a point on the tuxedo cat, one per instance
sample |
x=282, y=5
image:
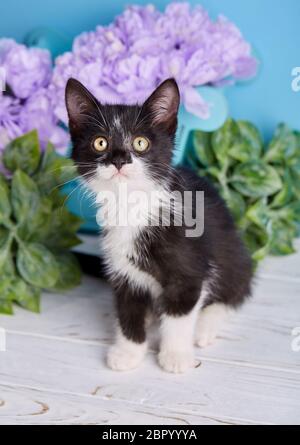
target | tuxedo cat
x=190, y=282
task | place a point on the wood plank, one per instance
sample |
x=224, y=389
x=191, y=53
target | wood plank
x=214, y=390
x=260, y=334
x=26, y=406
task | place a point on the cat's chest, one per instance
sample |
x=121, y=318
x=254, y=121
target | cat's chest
x=123, y=257
x=119, y=247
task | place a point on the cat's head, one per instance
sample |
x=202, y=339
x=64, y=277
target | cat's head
x=113, y=143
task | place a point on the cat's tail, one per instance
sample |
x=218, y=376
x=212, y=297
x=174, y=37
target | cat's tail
x=90, y=264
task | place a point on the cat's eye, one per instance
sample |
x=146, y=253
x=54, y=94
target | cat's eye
x=100, y=144
x=140, y=144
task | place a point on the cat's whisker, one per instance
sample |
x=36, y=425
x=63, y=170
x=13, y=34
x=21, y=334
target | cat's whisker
x=69, y=195
x=78, y=177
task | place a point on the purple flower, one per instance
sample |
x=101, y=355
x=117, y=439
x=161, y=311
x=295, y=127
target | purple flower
x=37, y=113
x=125, y=61
x=27, y=69
x=9, y=122
x=27, y=105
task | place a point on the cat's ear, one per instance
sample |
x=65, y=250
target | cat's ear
x=80, y=105
x=163, y=104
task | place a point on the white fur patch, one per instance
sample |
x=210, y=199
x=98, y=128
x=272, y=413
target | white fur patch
x=209, y=321
x=117, y=123
x=118, y=243
x=176, y=350
x=118, y=248
x=125, y=354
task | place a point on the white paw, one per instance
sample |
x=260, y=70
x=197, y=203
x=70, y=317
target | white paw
x=210, y=320
x=205, y=336
x=120, y=359
x=175, y=361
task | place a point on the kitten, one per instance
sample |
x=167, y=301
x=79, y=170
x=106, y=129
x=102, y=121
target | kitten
x=190, y=282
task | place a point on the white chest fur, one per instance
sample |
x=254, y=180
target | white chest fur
x=121, y=257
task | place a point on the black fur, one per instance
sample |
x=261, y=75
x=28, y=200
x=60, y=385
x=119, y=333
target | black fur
x=180, y=264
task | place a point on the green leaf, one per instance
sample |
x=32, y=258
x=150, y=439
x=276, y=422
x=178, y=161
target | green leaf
x=250, y=241
x=295, y=177
x=55, y=170
x=282, y=238
x=37, y=265
x=295, y=206
x=58, y=198
x=69, y=271
x=5, y=243
x=248, y=145
x=258, y=213
x=25, y=197
x=8, y=268
x=202, y=147
x=23, y=153
x=39, y=224
x=215, y=172
x=250, y=134
x=285, y=194
x=241, y=151
x=286, y=213
x=6, y=307
x=261, y=253
x=283, y=146
x=62, y=229
x=5, y=207
x=5, y=297
x=235, y=202
x=257, y=240
x=223, y=139
x=256, y=179
x=25, y=295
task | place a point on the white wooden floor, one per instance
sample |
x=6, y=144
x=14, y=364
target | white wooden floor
x=54, y=371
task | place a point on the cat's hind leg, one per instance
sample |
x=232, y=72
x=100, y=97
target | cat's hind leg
x=209, y=322
x=177, y=329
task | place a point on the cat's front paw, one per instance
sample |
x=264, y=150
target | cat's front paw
x=175, y=361
x=120, y=359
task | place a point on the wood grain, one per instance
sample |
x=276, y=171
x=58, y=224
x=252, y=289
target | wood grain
x=217, y=390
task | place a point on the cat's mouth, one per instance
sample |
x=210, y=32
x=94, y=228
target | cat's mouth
x=112, y=173
x=119, y=174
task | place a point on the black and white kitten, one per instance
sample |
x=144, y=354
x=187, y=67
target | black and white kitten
x=189, y=282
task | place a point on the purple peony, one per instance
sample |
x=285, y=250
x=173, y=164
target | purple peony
x=27, y=69
x=26, y=104
x=125, y=61
x=9, y=120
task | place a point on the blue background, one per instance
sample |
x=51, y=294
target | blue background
x=272, y=26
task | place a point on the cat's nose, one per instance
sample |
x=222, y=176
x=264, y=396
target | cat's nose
x=119, y=162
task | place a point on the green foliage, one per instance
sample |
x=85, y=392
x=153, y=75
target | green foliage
x=36, y=230
x=260, y=184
